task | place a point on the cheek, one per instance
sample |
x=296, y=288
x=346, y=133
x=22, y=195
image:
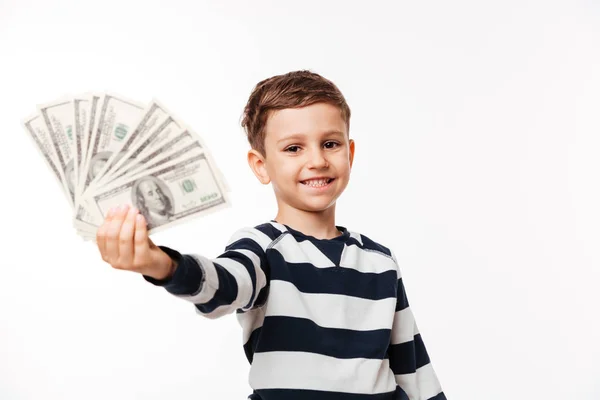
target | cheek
x=285, y=171
x=342, y=163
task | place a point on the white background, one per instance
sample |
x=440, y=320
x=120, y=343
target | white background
x=478, y=137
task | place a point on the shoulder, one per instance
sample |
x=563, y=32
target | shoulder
x=367, y=243
x=264, y=235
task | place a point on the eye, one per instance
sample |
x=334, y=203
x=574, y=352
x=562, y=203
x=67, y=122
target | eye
x=331, y=145
x=292, y=149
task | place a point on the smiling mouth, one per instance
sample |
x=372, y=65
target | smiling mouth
x=317, y=183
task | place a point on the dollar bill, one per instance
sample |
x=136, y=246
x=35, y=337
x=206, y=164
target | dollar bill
x=59, y=119
x=117, y=116
x=161, y=155
x=168, y=195
x=154, y=114
x=159, y=143
x=105, y=150
x=82, y=105
x=93, y=106
x=88, y=213
x=37, y=131
x=168, y=128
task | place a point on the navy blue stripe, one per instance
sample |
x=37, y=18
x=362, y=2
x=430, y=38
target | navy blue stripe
x=269, y=230
x=305, y=394
x=188, y=276
x=247, y=263
x=261, y=299
x=247, y=243
x=369, y=244
x=250, y=345
x=439, y=396
x=401, y=299
x=407, y=357
x=335, y=280
x=250, y=245
x=224, y=295
x=281, y=333
x=331, y=249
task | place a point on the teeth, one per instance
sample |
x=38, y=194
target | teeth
x=317, y=182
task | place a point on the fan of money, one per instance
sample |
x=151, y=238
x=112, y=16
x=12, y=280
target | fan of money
x=105, y=150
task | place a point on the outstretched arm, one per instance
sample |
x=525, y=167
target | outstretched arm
x=237, y=279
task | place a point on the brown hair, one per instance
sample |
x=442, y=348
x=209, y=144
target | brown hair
x=292, y=90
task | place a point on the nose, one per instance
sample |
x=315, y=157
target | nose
x=317, y=159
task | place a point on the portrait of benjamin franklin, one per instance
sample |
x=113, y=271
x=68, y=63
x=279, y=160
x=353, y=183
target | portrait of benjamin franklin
x=70, y=176
x=97, y=163
x=154, y=200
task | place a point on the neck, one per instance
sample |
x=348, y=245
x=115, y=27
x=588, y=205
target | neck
x=320, y=224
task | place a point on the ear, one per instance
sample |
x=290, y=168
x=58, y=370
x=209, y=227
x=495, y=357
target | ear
x=351, y=146
x=257, y=163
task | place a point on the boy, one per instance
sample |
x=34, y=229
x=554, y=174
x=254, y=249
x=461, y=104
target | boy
x=323, y=309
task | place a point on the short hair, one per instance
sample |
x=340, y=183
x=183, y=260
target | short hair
x=291, y=90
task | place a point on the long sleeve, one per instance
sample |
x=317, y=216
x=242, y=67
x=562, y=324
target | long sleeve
x=409, y=360
x=236, y=279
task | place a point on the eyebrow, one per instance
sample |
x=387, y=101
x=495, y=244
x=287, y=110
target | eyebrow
x=297, y=136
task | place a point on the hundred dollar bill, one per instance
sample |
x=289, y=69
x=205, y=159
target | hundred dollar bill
x=38, y=132
x=85, y=212
x=59, y=119
x=87, y=215
x=94, y=101
x=182, y=153
x=116, y=118
x=81, y=120
x=156, y=144
x=154, y=114
x=172, y=148
x=169, y=195
x=84, y=227
x=168, y=128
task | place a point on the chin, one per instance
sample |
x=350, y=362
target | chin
x=315, y=206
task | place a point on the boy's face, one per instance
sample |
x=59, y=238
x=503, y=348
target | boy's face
x=308, y=156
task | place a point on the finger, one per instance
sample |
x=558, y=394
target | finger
x=112, y=235
x=101, y=234
x=126, y=239
x=141, y=242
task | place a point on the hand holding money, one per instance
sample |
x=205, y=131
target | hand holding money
x=105, y=150
x=124, y=244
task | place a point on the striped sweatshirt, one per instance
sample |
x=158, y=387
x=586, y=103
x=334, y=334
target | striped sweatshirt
x=322, y=319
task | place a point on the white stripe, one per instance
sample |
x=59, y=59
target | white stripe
x=261, y=279
x=301, y=252
x=250, y=321
x=301, y=370
x=244, y=287
x=242, y=278
x=218, y=312
x=365, y=260
x=239, y=272
x=330, y=310
x=405, y=327
x=210, y=284
x=251, y=233
x=420, y=385
x=356, y=236
x=281, y=228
